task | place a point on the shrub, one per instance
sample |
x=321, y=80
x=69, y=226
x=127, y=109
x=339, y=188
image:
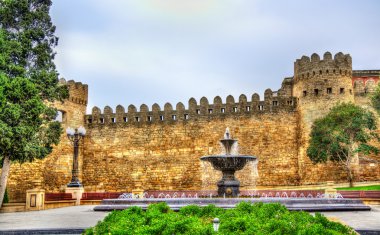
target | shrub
x=161, y=207
x=245, y=207
x=6, y=198
x=246, y=218
x=191, y=210
x=211, y=211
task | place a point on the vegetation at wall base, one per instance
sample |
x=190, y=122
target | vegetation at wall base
x=246, y=218
x=375, y=99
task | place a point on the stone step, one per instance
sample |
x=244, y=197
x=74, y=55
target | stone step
x=12, y=207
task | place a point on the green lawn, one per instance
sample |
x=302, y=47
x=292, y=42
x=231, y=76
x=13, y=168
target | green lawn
x=364, y=188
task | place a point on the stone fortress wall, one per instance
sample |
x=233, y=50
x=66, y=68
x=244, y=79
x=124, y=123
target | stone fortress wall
x=159, y=149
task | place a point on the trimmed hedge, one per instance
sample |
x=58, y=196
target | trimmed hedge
x=246, y=218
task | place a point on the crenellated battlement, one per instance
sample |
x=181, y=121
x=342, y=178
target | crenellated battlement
x=77, y=90
x=311, y=67
x=327, y=80
x=273, y=102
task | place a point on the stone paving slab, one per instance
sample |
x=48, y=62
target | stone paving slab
x=359, y=220
x=65, y=231
x=66, y=217
x=80, y=217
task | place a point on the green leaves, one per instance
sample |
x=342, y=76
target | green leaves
x=345, y=130
x=375, y=99
x=10, y=50
x=28, y=79
x=29, y=33
x=25, y=133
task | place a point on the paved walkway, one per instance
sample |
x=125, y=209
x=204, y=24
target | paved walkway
x=359, y=220
x=66, y=217
x=83, y=217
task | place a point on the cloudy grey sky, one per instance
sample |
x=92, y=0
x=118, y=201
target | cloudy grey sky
x=158, y=51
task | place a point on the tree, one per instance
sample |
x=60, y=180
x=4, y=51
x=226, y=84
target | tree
x=375, y=99
x=28, y=84
x=343, y=133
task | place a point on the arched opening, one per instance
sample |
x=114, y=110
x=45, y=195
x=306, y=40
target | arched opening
x=61, y=116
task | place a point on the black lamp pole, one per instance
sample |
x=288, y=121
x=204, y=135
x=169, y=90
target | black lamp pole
x=75, y=137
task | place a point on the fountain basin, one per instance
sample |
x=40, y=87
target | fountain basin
x=228, y=162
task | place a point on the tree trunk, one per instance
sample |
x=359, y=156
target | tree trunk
x=350, y=177
x=4, y=178
x=348, y=163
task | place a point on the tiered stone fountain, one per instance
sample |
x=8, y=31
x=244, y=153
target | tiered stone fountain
x=228, y=164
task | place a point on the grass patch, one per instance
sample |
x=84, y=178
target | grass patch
x=363, y=188
x=246, y=218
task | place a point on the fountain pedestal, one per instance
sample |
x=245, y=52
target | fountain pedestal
x=228, y=186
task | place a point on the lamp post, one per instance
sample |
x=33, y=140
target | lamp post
x=75, y=136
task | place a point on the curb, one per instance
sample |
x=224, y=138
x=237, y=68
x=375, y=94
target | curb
x=43, y=231
x=81, y=230
x=368, y=231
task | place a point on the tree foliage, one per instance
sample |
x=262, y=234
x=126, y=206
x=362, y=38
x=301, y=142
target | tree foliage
x=28, y=79
x=28, y=83
x=343, y=133
x=375, y=99
x=26, y=133
x=27, y=25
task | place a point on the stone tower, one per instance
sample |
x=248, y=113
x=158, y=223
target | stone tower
x=73, y=109
x=72, y=113
x=56, y=169
x=318, y=86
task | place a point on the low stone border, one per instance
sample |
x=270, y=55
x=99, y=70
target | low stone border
x=81, y=230
x=43, y=231
x=367, y=232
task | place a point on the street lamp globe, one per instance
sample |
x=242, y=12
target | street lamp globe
x=70, y=131
x=82, y=131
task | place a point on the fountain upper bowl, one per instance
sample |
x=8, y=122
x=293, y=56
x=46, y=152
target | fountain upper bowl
x=228, y=162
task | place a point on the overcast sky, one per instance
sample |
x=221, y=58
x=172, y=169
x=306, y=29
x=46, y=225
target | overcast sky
x=158, y=51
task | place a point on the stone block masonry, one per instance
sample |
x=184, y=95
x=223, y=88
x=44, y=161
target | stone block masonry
x=161, y=156
x=159, y=149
